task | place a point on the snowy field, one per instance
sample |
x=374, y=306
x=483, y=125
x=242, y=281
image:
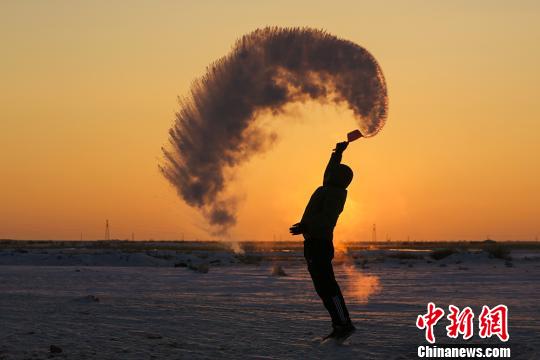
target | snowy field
x=98, y=305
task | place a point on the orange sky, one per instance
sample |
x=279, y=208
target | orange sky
x=88, y=92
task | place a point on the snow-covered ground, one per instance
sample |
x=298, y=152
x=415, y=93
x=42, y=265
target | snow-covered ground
x=238, y=309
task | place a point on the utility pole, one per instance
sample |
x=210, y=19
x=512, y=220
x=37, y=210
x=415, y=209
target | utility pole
x=374, y=233
x=107, y=230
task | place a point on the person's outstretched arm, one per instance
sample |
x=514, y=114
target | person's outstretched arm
x=335, y=158
x=331, y=208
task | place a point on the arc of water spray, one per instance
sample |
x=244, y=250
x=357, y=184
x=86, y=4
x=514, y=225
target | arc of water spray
x=215, y=127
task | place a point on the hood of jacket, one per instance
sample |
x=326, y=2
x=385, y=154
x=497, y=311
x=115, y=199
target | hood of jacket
x=341, y=176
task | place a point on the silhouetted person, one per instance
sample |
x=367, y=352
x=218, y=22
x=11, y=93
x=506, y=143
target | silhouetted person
x=317, y=226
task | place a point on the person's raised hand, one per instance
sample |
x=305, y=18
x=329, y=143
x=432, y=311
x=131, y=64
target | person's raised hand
x=341, y=146
x=296, y=229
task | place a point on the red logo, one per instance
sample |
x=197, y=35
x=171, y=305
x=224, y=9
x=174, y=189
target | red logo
x=491, y=322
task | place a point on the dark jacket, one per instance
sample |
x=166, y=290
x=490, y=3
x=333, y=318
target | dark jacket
x=326, y=203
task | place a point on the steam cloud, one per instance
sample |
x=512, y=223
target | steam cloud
x=215, y=127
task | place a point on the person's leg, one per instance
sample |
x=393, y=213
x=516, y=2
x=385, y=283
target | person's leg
x=327, y=288
x=336, y=306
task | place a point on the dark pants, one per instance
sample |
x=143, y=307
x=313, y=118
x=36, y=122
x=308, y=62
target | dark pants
x=319, y=256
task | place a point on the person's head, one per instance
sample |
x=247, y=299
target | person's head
x=341, y=177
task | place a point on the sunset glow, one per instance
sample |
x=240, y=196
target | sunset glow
x=86, y=106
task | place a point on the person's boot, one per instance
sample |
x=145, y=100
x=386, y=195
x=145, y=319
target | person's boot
x=341, y=332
